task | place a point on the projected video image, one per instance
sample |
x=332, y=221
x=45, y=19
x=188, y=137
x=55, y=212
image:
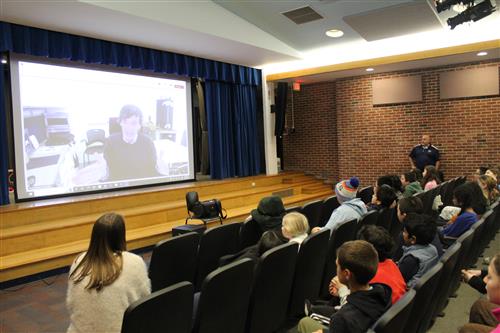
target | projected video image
x=84, y=130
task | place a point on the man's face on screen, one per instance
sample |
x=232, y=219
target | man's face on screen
x=130, y=128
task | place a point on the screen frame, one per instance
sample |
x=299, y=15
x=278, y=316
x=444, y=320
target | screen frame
x=14, y=93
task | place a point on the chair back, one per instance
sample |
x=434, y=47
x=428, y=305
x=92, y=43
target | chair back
x=466, y=241
x=427, y=198
x=293, y=209
x=425, y=289
x=312, y=211
x=386, y=218
x=369, y=218
x=490, y=229
x=365, y=194
x=168, y=309
x=223, y=301
x=215, y=243
x=395, y=318
x=476, y=250
x=342, y=233
x=96, y=135
x=329, y=205
x=272, y=288
x=308, y=271
x=174, y=260
x=250, y=233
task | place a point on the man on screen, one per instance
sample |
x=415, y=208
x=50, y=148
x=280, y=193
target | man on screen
x=130, y=154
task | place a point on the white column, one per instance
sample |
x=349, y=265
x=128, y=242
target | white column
x=269, y=120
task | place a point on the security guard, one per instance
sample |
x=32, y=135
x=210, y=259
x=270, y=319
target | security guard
x=424, y=154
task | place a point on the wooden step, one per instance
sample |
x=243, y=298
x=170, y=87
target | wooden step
x=309, y=189
x=292, y=179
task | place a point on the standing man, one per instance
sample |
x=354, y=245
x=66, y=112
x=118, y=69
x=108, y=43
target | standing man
x=424, y=154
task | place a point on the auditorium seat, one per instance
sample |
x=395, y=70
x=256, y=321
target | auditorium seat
x=169, y=309
x=250, y=233
x=312, y=211
x=386, y=217
x=223, y=301
x=365, y=194
x=215, y=243
x=490, y=229
x=476, y=250
x=342, y=233
x=369, y=218
x=174, y=260
x=329, y=205
x=396, y=317
x=425, y=288
x=271, y=290
x=308, y=271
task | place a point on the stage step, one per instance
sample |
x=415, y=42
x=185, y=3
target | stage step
x=36, y=247
x=309, y=189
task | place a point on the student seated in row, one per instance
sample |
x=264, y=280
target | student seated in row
x=357, y=263
x=383, y=197
x=431, y=178
x=410, y=183
x=460, y=223
x=269, y=213
x=419, y=255
x=350, y=207
x=295, y=227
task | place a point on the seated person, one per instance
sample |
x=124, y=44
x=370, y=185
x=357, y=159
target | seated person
x=410, y=184
x=495, y=173
x=393, y=181
x=479, y=171
x=419, y=255
x=431, y=178
x=350, y=207
x=489, y=187
x=383, y=197
x=295, y=227
x=130, y=154
x=406, y=206
x=269, y=213
x=357, y=263
x=462, y=197
x=485, y=317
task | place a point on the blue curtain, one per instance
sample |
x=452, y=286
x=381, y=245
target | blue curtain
x=232, y=129
x=239, y=81
x=4, y=165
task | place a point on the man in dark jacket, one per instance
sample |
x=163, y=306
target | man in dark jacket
x=357, y=263
x=269, y=213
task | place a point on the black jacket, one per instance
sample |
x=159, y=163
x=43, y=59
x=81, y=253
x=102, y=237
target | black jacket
x=362, y=310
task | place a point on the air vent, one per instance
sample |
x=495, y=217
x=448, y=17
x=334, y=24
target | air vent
x=303, y=15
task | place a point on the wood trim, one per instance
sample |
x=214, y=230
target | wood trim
x=441, y=52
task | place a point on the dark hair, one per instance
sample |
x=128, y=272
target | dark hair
x=410, y=176
x=421, y=227
x=411, y=205
x=396, y=183
x=463, y=196
x=361, y=258
x=418, y=174
x=386, y=195
x=379, y=238
x=478, y=201
x=482, y=170
x=390, y=180
x=129, y=111
x=268, y=240
x=431, y=174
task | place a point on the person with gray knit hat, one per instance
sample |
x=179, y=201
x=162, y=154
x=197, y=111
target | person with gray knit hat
x=350, y=207
x=269, y=213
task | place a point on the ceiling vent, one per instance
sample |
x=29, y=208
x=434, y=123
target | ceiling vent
x=303, y=15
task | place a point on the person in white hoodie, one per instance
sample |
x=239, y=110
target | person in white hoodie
x=295, y=227
x=350, y=207
x=105, y=280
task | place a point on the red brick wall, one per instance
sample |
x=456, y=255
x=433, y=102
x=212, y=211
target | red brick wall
x=340, y=133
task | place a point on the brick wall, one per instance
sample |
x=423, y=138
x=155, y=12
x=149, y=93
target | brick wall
x=340, y=133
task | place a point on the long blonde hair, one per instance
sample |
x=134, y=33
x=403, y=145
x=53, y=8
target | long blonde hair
x=490, y=193
x=103, y=260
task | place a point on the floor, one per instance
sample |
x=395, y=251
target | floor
x=39, y=306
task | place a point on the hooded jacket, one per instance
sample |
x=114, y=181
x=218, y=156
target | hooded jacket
x=362, y=310
x=349, y=210
x=269, y=213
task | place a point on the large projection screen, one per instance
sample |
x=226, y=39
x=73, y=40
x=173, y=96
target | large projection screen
x=88, y=129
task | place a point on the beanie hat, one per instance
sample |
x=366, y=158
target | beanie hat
x=346, y=189
x=269, y=213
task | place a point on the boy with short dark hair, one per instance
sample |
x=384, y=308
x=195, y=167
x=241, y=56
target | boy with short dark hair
x=357, y=263
x=419, y=255
x=410, y=184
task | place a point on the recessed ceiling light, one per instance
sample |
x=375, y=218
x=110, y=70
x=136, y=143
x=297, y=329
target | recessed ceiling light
x=459, y=7
x=335, y=33
x=369, y=69
x=482, y=53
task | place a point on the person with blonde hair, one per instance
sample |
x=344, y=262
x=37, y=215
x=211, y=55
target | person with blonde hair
x=295, y=227
x=488, y=185
x=105, y=280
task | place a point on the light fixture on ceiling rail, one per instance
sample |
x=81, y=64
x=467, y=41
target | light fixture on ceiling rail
x=470, y=10
x=369, y=69
x=447, y=4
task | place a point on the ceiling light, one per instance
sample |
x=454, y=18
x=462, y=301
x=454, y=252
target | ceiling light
x=474, y=13
x=335, y=33
x=459, y=7
x=482, y=53
x=369, y=69
x=3, y=61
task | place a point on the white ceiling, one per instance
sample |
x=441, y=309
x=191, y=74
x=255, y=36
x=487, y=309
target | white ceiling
x=254, y=32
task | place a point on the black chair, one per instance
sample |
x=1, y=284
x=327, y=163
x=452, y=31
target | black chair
x=369, y=218
x=310, y=264
x=250, y=233
x=312, y=211
x=440, y=299
x=329, y=205
x=466, y=240
x=395, y=318
x=223, y=301
x=343, y=232
x=424, y=288
x=272, y=288
x=215, y=243
x=365, y=194
x=490, y=229
x=386, y=218
x=427, y=198
x=174, y=260
x=293, y=209
x=166, y=309
x=476, y=250
x=94, y=144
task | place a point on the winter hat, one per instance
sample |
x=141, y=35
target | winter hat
x=346, y=189
x=269, y=212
